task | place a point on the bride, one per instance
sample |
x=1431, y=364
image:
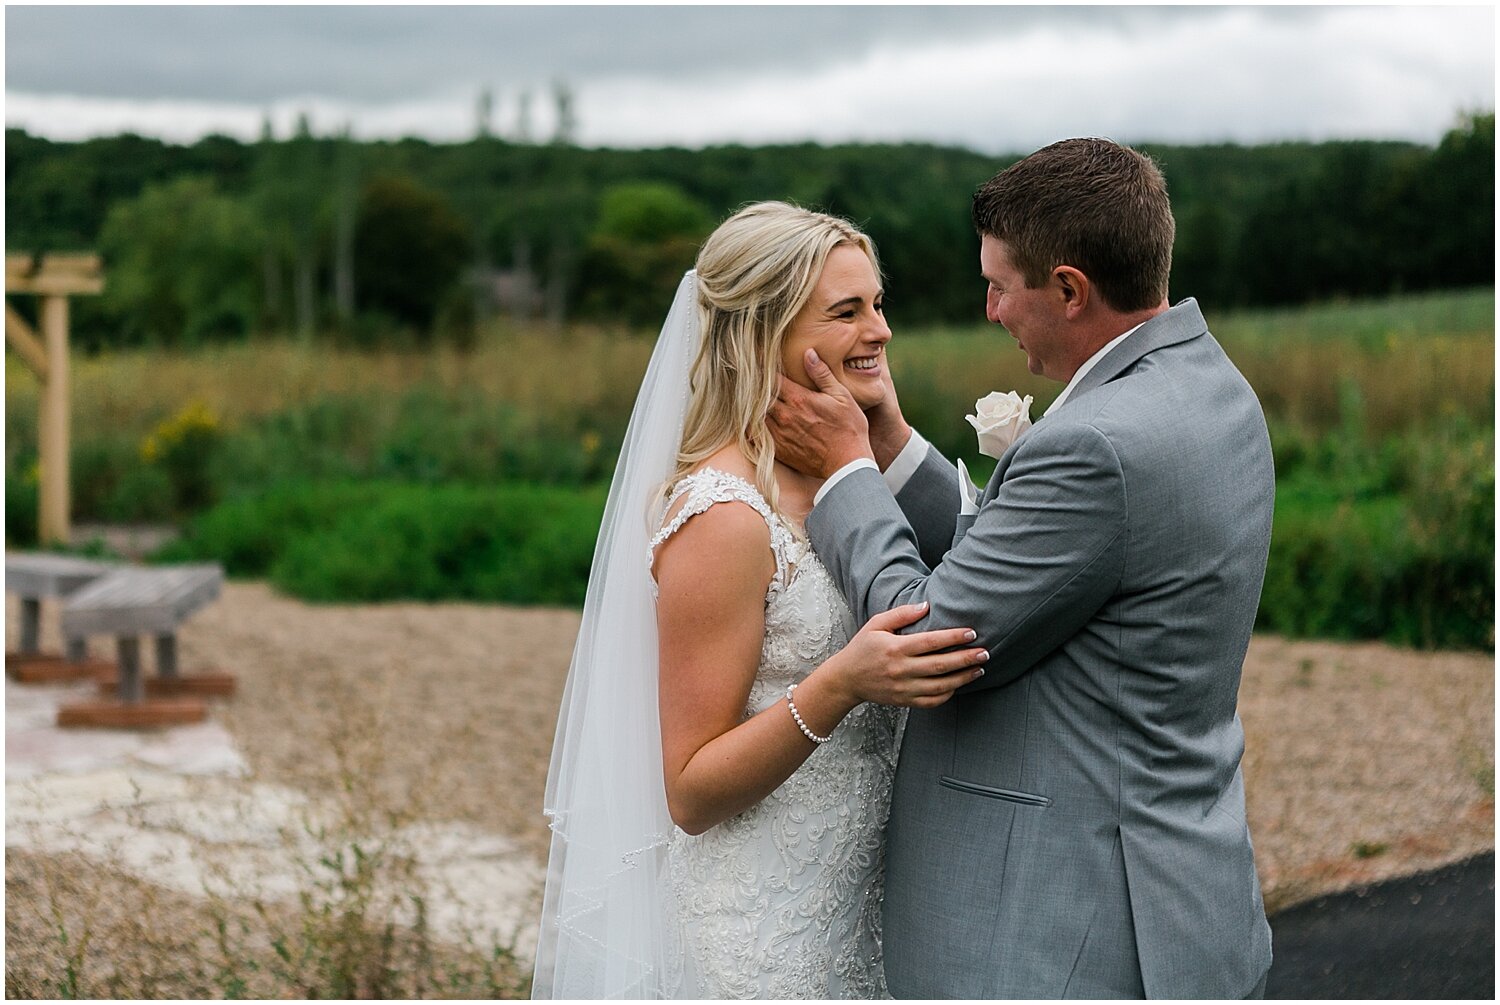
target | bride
x=722, y=768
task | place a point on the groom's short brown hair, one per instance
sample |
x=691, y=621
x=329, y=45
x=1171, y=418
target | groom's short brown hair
x=1089, y=203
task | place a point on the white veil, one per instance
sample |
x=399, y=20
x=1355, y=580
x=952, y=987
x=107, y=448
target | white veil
x=608, y=926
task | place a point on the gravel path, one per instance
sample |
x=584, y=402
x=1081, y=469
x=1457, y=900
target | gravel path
x=1362, y=761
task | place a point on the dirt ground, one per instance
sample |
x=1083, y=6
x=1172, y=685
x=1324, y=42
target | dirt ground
x=1362, y=761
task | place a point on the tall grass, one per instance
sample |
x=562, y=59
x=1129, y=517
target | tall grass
x=1412, y=357
x=1415, y=362
x=573, y=371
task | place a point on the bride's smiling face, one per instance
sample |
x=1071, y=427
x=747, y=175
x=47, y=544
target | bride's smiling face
x=844, y=320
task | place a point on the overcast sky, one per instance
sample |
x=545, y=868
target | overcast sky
x=995, y=79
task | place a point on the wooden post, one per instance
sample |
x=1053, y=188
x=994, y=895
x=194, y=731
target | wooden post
x=54, y=505
x=132, y=690
x=31, y=626
x=53, y=279
x=166, y=656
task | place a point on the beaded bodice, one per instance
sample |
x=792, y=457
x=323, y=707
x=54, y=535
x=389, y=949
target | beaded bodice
x=783, y=900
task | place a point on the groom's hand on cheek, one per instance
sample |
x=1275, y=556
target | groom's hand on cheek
x=889, y=431
x=818, y=432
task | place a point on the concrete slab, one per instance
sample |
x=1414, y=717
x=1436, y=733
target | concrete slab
x=29, y=706
x=176, y=806
x=202, y=749
x=36, y=752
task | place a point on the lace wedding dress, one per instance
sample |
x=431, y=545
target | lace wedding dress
x=783, y=900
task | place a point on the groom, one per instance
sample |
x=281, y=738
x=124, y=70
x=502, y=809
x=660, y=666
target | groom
x=1072, y=825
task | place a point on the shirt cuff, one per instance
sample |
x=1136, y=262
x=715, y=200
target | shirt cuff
x=837, y=476
x=906, y=463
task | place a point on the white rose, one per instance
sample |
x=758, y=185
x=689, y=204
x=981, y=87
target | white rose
x=1000, y=420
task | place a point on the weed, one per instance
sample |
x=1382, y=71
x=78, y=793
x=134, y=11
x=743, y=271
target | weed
x=1480, y=764
x=1304, y=673
x=357, y=923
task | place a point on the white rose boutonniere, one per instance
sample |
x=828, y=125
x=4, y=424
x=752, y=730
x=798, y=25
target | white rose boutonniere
x=1000, y=420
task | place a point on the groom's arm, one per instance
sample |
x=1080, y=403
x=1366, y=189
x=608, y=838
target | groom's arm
x=929, y=500
x=926, y=487
x=1039, y=561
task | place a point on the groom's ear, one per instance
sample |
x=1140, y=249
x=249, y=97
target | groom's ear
x=1073, y=290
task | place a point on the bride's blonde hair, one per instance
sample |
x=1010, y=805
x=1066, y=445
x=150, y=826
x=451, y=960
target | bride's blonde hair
x=755, y=272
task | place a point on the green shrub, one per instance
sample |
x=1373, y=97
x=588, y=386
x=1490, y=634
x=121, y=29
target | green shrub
x=1451, y=519
x=183, y=446
x=1333, y=565
x=98, y=463
x=1395, y=542
x=141, y=494
x=516, y=544
x=386, y=541
x=21, y=503
x=249, y=535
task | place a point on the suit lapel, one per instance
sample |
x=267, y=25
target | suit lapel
x=1177, y=324
x=992, y=487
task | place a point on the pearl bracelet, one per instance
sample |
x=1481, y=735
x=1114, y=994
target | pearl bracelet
x=814, y=737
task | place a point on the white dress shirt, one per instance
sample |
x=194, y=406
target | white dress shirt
x=896, y=476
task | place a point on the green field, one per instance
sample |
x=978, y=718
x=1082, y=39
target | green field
x=448, y=464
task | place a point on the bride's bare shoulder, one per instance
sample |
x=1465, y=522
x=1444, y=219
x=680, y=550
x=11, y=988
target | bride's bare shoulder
x=725, y=538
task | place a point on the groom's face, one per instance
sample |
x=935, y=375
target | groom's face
x=1033, y=317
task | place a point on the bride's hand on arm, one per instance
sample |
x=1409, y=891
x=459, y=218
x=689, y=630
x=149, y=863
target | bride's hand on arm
x=915, y=670
x=712, y=576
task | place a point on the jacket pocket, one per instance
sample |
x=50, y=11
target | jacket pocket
x=1009, y=795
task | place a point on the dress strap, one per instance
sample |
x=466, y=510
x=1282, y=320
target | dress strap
x=704, y=488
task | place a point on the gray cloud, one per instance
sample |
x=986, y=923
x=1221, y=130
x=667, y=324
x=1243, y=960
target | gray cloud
x=375, y=54
x=991, y=78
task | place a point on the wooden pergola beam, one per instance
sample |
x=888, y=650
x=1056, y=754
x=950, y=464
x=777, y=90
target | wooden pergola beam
x=54, y=275
x=25, y=342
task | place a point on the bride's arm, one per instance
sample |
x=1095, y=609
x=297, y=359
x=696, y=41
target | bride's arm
x=712, y=576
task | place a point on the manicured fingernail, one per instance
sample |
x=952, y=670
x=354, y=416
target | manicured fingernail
x=979, y=672
x=922, y=606
x=969, y=635
x=984, y=656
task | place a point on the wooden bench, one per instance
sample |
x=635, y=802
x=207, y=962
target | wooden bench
x=36, y=577
x=128, y=603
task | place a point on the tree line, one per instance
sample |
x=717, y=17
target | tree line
x=365, y=242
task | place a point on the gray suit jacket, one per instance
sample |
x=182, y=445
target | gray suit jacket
x=1073, y=823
